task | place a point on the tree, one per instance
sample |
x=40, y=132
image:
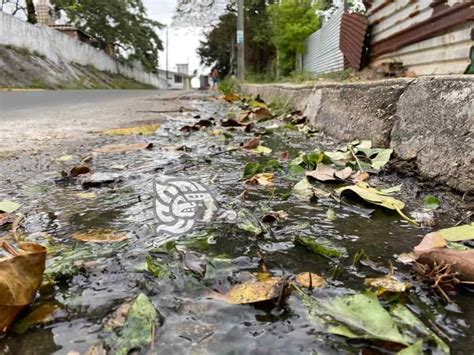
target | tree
x=123, y=23
x=292, y=21
x=20, y=7
x=219, y=47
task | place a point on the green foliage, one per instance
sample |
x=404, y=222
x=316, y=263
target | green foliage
x=123, y=23
x=292, y=21
x=229, y=86
x=219, y=46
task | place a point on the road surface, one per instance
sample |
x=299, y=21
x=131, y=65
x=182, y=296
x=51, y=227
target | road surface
x=33, y=119
x=12, y=101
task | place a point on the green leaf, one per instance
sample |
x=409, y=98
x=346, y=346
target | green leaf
x=391, y=190
x=431, y=202
x=262, y=150
x=331, y=214
x=381, y=158
x=457, y=234
x=414, y=349
x=252, y=169
x=373, y=195
x=321, y=246
x=138, y=329
x=9, y=206
x=359, y=316
x=303, y=190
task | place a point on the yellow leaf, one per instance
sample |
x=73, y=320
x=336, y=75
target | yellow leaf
x=254, y=291
x=142, y=130
x=310, y=280
x=100, y=236
x=263, y=179
x=86, y=195
x=261, y=150
x=387, y=283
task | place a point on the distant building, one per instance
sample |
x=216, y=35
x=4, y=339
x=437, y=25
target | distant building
x=175, y=80
x=46, y=16
x=182, y=68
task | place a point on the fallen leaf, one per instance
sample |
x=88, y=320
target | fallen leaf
x=100, y=236
x=456, y=234
x=9, y=206
x=460, y=261
x=232, y=122
x=252, y=144
x=431, y=241
x=310, y=280
x=120, y=148
x=381, y=159
x=139, y=329
x=41, y=314
x=304, y=191
x=263, y=179
x=87, y=195
x=6, y=218
x=374, y=196
x=387, y=283
x=261, y=113
x=261, y=150
x=139, y=130
x=391, y=190
x=230, y=97
x=331, y=215
x=322, y=173
x=285, y=155
x=79, y=170
x=275, y=216
x=431, y=202
x=360, y=176
x=320, y=246
x=66, y=158
x=188, y=128
x=254, y=291
x=344, y=173
x=20, y=277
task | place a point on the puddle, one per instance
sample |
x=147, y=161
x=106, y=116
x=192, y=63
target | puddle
x=97, y=278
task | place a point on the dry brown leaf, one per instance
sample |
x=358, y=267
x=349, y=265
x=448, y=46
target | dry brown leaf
x=461, y=261
x=343, y=174
x=232, y=122
x=360, y=176
x=275, y=216
x=322, y=173
x=120, y=148
x=252, y=144
x=254, y=291
x=285, y=155
x=263, y=179
x=6, y=218
x=100, y=236
x=87, y=195
x=79, y=170
x=260, y=113
x=430, y=241
x=310, y=280
x=20, y=277
x=230, y=97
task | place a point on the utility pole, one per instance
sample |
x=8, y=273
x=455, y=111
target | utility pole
x=167, y=84
x=240, y=40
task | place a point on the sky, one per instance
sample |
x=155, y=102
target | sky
x=182, y=42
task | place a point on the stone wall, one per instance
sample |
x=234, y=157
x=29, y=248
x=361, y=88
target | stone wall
x=429, y=120
x=63, y=50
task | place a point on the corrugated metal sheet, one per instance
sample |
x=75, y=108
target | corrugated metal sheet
x=323, y=53
x=352, y=39
x=426, y=36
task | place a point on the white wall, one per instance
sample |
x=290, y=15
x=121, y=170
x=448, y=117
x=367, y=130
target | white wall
x=63, y=49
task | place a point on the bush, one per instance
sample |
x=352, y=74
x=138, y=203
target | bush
x=229, y=86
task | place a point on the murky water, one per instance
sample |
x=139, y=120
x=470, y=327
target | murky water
x=92, y=280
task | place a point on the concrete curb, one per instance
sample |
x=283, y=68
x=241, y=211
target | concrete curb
x=429, y=120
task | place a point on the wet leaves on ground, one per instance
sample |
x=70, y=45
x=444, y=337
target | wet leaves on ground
x=9, y=206
x=139, y=130
x=121, y=148
x=100, y=236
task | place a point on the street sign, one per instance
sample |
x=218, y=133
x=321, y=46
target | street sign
x=240, y=37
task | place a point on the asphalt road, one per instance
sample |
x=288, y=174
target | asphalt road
x=12, y=101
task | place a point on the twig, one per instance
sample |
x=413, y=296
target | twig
x=355, y=157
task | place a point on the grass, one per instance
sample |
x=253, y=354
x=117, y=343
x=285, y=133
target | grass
x=229, y=86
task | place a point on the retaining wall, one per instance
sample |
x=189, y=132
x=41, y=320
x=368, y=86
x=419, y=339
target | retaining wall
x=62, y=49
x=428, y=120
